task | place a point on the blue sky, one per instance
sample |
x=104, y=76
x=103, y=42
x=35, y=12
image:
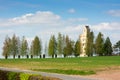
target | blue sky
x=45, y=17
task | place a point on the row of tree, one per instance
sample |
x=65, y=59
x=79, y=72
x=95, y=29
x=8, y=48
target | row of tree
x=16, y=47
x=62, y=45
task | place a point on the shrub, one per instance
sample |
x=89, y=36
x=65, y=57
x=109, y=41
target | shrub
x=24, y=76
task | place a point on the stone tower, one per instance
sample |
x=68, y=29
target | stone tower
x=83, y=41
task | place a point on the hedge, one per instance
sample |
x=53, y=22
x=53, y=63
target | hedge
x=8, y=75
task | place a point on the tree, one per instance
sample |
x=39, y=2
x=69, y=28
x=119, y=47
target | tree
x=68, y=49
x=14, y=46
x=117, y=45
x=7, y=47
x=108, y=47
x=52, y=47
x=19, y=47
x=59, y=44
x=77, y=48
x=99, y=43
x=24, y=47
x=90, y=43
x=36, y=46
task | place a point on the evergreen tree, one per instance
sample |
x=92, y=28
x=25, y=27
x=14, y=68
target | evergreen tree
x=59, y=44
x=19, y=47
x=36, y=46
x=24, y=47
x=90, y=43
x=77, y=48
x=7, y=47
x=63, y=44
x=68, y=49
x=117, y=45
x=52, y=47
x=14, y=46
x=99, y=43
x=107, y=47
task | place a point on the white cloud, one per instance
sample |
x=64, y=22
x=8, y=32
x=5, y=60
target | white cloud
x=107, y=26
x=109, y=29
x=114, y=13
x=71, y=10
x=45, y=17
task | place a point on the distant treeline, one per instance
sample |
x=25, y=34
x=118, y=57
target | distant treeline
x=62, y=45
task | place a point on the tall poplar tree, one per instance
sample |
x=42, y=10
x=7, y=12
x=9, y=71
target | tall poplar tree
x=90, y=42
x=7, y=47
x=99, y=44
x=52, y=47
x=24, y=47
x=14, y=46
x=36, y=46
x=108, y=47
x=59, y=44
x=68, y=49
x=77, y=48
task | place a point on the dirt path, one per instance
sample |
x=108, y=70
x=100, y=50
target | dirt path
x=106, y=75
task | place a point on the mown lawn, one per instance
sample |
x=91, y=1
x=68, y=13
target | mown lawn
x=82, y=66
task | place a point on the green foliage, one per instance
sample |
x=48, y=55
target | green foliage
x=24, y=76
x=108, y=47
x=36, y=46
x=24, y=47
x=7, y=75
x=77, y=48
x=52, y=47
x=68, y=49
x=14, y=46
x=7, y=47
x=90, y=43
x=59, y=44
x=11, y=75
x=99, y=44
x=117, y=45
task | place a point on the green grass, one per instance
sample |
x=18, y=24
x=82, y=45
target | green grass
x=69, y=72
x=65, y=65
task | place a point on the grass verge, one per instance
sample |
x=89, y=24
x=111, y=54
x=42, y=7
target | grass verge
x=69, y=72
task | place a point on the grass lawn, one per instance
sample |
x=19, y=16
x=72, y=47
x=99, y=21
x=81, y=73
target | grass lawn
x=77, y=66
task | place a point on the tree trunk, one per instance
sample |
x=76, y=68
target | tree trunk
x=31, y=56
x=40, y=56
x=6, y=57
x=43, y=55
x=27, y=56
x=14, y=56
x=18, y=56
x=55, y=55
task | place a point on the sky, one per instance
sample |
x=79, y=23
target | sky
x=43, y=18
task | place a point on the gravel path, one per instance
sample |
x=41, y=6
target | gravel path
x=61, y=76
